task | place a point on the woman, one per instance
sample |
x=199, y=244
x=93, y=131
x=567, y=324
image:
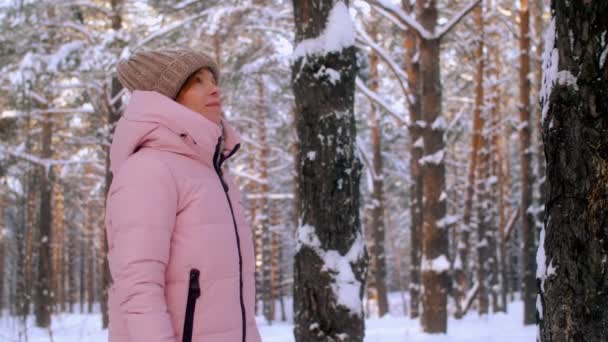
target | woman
x=180, y=251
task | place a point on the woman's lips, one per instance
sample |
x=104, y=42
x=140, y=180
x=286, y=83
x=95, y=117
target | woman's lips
x=211, y=104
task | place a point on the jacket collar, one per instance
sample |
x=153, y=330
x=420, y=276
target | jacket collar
x=154, y=120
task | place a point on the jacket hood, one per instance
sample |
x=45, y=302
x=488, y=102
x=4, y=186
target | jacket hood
x=154, y=120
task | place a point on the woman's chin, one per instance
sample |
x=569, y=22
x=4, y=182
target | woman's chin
x=214, y=115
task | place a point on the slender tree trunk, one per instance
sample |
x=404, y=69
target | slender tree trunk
x=538, y=9
x=573, y=252
x=89, y=228
x=3, y=247
x=497, y=160
x=527, y=219
x=43, y=285
x=434, y=236
x=58, y=242
x=263, y=219
x=331, y=252
x=412, y=67
x=112, y=116
x=377, y=253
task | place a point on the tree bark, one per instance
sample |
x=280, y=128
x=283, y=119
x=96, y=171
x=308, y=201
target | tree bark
x=331, y=254
x=573, y=248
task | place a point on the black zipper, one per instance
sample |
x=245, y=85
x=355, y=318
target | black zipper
x=194, y=291
x=218, y=160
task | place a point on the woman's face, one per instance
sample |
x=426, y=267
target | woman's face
x=201, y=94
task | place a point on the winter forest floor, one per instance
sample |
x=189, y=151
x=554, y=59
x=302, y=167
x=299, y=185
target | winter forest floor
x=391, y=328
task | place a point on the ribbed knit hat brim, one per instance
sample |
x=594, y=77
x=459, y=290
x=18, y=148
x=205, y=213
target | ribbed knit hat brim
x=163, y=71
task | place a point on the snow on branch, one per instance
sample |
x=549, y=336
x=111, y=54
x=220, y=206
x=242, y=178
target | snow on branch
x=170, y=28
x=388, y=9
x=44, y=162
x=364, y=154
x=511, y=223
x=403, y=17
x=339, y=33
x=398, y=71
x=376, y=99
x=443, y=30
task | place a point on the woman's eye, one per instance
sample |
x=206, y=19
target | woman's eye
x=199, y=80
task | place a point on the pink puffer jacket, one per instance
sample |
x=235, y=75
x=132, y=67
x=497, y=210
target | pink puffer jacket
x=180, y=250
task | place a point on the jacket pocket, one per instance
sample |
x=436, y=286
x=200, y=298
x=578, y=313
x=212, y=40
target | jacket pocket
x=194, y=291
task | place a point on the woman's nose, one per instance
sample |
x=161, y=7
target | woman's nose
x=215, y=90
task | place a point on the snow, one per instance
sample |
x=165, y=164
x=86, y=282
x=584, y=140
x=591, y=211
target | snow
x=419, y=143
x=332, y=74
x=393, y=327
x=550, y=67
x=435, y=158
x=344, y=284
x=339, y=33
x=447, y=220
x=311, y=155
x=603, y=57
x=439, y=123
x=565, y=77
x=439, y=264
x=56, y=60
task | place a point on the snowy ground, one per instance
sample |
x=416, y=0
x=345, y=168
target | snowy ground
x=391, y=328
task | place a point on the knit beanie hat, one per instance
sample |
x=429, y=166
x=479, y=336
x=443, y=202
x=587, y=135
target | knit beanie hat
x=164, y=71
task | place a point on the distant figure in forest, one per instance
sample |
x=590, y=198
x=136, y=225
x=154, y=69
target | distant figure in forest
x=180, y=250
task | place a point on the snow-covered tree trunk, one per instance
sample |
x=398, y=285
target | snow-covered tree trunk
x=331, y=259
x=482, y=170
x=538, y=9
x=498, y=183
x=435, y=262
x=573, y=251
x=412, y=67
x=525, y=153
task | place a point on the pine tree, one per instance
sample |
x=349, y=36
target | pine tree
x=572, y=251
x=331, y=260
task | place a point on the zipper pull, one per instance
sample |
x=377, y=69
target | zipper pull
x=194, y=285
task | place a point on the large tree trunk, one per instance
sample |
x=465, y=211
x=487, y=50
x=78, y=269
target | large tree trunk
x=435, y=264
x=525, y=152
x=573, y=249
x=412, y=67
x=331, y=259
